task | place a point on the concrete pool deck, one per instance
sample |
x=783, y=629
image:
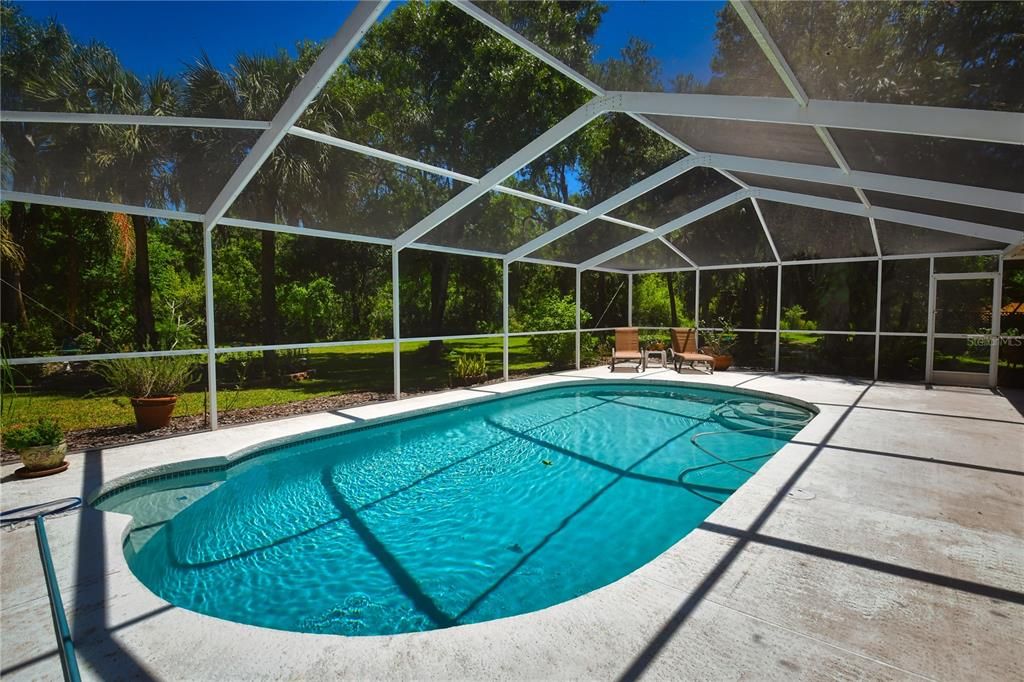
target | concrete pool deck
x=886, y=541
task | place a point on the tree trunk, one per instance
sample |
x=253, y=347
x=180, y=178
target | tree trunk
x=268, y=299
x=440, y=269
x=145, y=324
x=14, y=299
x=673, y=315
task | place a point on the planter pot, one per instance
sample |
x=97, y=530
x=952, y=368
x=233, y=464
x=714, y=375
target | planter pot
x=153, y=413
x=43, y=457
x=722, y=362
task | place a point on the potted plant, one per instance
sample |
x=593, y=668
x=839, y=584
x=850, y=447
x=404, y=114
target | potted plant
x=152, y=384
x=41, y=447
x=718, y=342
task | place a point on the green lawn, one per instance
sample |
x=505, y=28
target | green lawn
x=338, y=370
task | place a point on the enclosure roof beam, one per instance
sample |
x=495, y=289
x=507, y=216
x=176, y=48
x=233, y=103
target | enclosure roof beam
x=542, y=143
x=749, y=16
x=877, y=182
x=102, y=206
x=333, y=54
x=671, y=226
x=130, y=120
x=965, y=124
x=961, y=227
x=610, y=204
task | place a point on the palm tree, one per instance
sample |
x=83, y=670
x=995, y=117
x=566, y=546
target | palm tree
x=45, y=69
x=283, y=190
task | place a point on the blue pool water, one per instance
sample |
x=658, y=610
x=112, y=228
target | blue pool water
x=484, y=511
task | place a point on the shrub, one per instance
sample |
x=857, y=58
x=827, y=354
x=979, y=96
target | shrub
x=469, y=366
x=44, y=432
x=146, y=377
x=558, y=312
x=793, y=318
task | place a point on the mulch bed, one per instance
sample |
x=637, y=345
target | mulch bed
x=109, y=436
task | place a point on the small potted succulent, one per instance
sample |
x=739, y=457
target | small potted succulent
x=717, y=343
x=41, y=447
x=152, y=384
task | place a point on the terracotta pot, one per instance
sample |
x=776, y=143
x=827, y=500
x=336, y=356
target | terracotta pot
x=722, y=362
x=153, y=413
x=43, y=457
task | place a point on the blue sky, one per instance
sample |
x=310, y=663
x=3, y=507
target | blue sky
x=152, y=36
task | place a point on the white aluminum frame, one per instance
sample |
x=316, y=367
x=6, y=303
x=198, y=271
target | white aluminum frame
x=981, y=126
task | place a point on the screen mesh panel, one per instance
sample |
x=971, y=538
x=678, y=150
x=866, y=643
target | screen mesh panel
x=582, y=244
x=680, y=195
x=604, y=299
x=437, y=299
x=443, y=106
x=322, y=288
x=831, y=296
x=800, y=232
x=743, y=297
x=159, y=167
x=963, y=162
x=827, y=354
x=945, y=209
x=935, y=54
x=496, y=223
x=603, y=158
x=796, y=143
x=654, y=255
x=664, y=299
x=897, y=239
x=905, y=295
x=817, y=189
x=902, y=358
x=639, y=54
x=732, y=235
x=364, y=196
x=541, y=297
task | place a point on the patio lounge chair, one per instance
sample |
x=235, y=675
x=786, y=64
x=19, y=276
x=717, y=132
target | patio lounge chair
x=627, y=347
x=684, y=349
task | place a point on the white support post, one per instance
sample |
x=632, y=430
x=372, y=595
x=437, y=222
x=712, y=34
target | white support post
x=997, y=326
x=578, y=318
x=930, y=343
x=878, y=316
x=396, y=326
x=504, y=320
x=696, y=307
x=629, y=300
x=778, y=316
x=211, y=342
x=363, y=16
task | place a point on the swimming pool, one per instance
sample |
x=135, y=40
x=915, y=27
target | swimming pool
x=486, y=510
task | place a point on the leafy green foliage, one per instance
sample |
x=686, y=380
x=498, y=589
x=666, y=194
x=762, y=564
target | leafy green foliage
x=465, y=366
x=793, y=318
x=44, y=432
x=148, y=377
x=557, y=312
